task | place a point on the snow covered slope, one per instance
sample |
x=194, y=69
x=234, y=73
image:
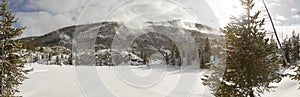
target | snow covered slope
x=62, y=81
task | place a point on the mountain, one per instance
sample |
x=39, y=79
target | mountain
x=64, y=35
x=154, y=37
x=61, y=36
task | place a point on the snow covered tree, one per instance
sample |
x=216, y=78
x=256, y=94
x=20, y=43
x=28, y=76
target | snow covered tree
x=250, y=66
x=294, y=64
x=12, y=71
x=296, y=68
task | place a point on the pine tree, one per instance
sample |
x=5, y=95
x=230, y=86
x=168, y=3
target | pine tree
x=70, y=59
x=167, y=59
x=295, y=48
x=49, y=58
x=41, y=50
x=274, y=47
x=12, y=71
x=250, y=65
x=177, y=57
x=173, y=56
x=287, y=49
x=57, y=61
x=295, y=57
x=206, y=54
x=144, y=57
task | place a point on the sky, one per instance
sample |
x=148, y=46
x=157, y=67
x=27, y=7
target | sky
x=43, y=16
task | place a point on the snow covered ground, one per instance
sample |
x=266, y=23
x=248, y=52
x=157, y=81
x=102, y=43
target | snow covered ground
x=126, y=81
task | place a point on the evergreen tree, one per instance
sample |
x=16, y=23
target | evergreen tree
x=49, y=59
x=144, y=57
x=70, y=59
x=295, y=48
x=12, y=71
x=250, y=66
x=167, y=59
x=206, y=54
x=287, y=49
x=177, y=57
x=57, y=60
x=173, y=55
x=274, y=47
x=41, y=50
x=296, y=68
x=42, y=56
x=295, y=57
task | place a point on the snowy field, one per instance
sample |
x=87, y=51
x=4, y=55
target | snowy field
x=126, y=81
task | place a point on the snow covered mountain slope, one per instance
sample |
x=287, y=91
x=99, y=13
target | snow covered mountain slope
x=106, y=31
x=85, y=40
x=56, y=81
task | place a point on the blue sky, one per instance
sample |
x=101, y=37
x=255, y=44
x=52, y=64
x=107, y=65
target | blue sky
x=43, y=16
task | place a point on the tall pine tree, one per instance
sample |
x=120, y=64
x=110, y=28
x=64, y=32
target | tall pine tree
x=12, y=70
x=295, y=48
x=250, y=65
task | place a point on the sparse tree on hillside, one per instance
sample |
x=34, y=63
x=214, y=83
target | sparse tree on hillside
x=250, y=64
x=12, y=71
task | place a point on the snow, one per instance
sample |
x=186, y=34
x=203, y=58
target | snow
x=65, y=81
x=50, y=81
x=177, y=24
x=286, y=88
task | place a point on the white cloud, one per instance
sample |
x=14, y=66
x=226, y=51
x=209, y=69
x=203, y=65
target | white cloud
x=136, y=12
x=55, y=14
x=280, y=17
x=274, y=3
x=277, y=0
x=224, y=9
x=39, y=23
x=55, y=6
x=294, y=9
x=297, y=17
